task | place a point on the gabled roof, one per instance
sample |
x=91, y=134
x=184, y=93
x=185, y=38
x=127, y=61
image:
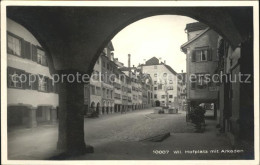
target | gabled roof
x=194, y=38
x=170, y=69
x=152, y=61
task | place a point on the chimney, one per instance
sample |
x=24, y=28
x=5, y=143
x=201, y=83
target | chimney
x=129, y=65
x=129, y=60
x=164, y=61
x=160, y=60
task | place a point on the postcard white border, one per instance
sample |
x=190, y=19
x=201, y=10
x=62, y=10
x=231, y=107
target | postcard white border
x=254, y=4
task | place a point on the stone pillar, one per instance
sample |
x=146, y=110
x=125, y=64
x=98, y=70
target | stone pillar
x=53, y=115
x=32, y=117
x=71, y=119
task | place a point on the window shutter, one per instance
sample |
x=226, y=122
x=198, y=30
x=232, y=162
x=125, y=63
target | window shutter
x=50, y=86
x=209, y=54
x=34, y=53
x=193, y=56
x=23, y=79
x=28, y=85
x=23, y=53
x=27, y=50
x=36, y=83
x=56, y=88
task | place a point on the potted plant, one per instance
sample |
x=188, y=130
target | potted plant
x=197, y=117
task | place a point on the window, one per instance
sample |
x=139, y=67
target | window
x=41, y=58
x=163, y=96
x=98, y=90
x=201, y=54
x=42, y=83
x=155, y=74
x=170, y=82
x=170, y=96
x=155, y=96
x=155, y=82
x=162, y=102
x=13, y=78
x=104, y=92
x=93, y=90
x=155, y=88
x=193, y=83
x=160, y=86
x=107, y=93
x=202, y=81
x=14, y=45
x=165, y=74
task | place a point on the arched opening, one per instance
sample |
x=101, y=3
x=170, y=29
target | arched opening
x=98, y=108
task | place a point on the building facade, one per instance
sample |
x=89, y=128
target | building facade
x=236, y=111
x=232, y=89
x=31, y=94
x=201, y=59
x=164, y=81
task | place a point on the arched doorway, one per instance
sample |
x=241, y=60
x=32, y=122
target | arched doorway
x=107, y=107
x=98, y=108
x=104, y=107
x=92, y=107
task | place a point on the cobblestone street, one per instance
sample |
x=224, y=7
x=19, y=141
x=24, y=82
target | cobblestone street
x=117, y=136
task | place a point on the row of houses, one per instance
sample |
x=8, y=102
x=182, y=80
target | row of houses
x=112, y=89
x=214, y=69
x=117, y=88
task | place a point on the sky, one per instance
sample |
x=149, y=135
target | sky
x=157, y=36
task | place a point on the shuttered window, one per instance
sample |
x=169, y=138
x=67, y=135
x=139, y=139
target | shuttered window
x=14, y=79
x=14, y=45
x=201, y=54
x=42, y=83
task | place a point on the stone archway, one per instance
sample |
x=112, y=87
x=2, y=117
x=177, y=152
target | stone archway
x=47, y=25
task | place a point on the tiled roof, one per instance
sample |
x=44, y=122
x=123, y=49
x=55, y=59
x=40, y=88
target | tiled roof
x=194, y=38
x=195, y=26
